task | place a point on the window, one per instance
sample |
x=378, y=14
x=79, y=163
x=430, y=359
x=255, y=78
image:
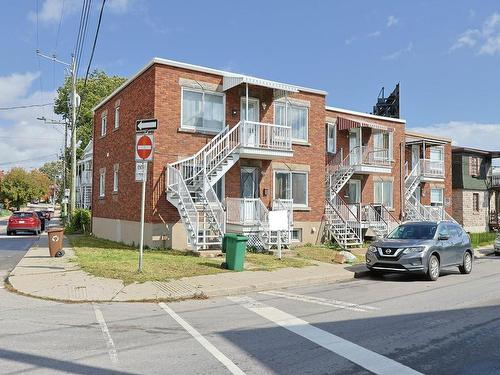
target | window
x=291, y=185
x=382, y=145
x=202, y=110
x=103, y=125
x=383, y=193
x=297, y=235
x=115, y=178
x=474, y=166
x=437, y=153
x=117, y=117
x=475, y=202
x=297, y=118
x=436, y=196
x=331, y=138
x=102, y=182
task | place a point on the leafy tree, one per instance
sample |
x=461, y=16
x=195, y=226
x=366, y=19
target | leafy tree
x=53, y=169
x=19, y=186
x=99, y=85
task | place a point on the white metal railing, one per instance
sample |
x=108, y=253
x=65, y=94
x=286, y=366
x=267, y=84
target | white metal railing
x=346, y=215
x=378, y=216
x=338, y=171
x=246, y=211
x=85, y=178
x=214, y=205
x=266, y=136
x=432, y=168
x=375, y=156
x=412, y=180
x=495, y=181
x=284, y=204
x=176, y=182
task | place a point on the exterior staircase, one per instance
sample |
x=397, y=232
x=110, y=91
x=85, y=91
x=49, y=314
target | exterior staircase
x=341, y=223
x=379, y=219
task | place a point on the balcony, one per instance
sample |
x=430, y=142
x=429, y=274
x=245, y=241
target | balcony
x=432, y=169
x=495, y=181
x=85, y=178
x=260, y=140
x=252, y=213
x=367, y=159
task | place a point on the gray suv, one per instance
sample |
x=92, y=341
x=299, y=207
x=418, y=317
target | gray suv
x=422, y=247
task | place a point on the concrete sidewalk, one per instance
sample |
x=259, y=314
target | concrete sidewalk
x=39, y=275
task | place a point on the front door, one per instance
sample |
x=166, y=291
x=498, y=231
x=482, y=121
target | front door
x=355, y=146
x=354, y=198
x=415, y=155
x=249, y=186
x=251, y=133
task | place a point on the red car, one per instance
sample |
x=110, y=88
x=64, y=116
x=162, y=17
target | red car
x=24, y=221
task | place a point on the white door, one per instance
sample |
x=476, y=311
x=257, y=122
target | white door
x=251, y=131
x=249, y=184
x=354, y=198
x=415, y=155
x=355, y=146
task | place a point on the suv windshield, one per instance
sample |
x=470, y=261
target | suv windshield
x=414, y=232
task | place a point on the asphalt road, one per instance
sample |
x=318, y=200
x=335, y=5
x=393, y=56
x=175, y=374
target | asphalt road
x=391, y=325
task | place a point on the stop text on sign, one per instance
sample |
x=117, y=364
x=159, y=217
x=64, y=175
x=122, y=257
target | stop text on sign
x=144, y=147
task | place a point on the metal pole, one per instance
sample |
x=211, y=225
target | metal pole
x=73, y=135
x=143, y=200
x=64, y=206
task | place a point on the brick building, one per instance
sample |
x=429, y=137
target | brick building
x=230, y=149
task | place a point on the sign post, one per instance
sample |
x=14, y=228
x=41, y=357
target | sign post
x=278, y=221
x=144, y=146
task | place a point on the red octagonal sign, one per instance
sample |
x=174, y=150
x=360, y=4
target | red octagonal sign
x=144, y=147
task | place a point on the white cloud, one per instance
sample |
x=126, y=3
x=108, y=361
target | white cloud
x=22, y=136
x=119, y=6
x=350, y=40
x=466, y=133
x=391, y=21
x=398, y=53
x=374, y=34
x=487, y=38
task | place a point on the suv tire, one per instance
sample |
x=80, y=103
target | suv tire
x=466, y=266
x=433, y=268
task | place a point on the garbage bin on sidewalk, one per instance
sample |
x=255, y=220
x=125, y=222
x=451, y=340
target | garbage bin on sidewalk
x=55, y=236
x=235, y=246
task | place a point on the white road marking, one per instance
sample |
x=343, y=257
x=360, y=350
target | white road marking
x=320, y=301
x=203, y=341
x=105, y=332
x=365, y=358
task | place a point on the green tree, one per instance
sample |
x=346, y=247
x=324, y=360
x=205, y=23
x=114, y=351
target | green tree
x=99, y=85
x=53, y=169
x=19, y=187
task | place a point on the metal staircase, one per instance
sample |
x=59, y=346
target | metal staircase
x=189, y=188
x=379, y=219
x=341, y=223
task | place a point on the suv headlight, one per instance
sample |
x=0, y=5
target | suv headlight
x=372, y=249
x=413, y=250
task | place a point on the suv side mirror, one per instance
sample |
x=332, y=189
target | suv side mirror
x=443, y=237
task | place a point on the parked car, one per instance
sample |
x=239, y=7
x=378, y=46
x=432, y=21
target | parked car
x=41, y=216
x=24, y=221
x=497, y=245
x=422, y=247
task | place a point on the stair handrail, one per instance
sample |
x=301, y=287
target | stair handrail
x=346, y=214
x=176, y=183
x=215, y=205
x=410, y=180
x=220, y=149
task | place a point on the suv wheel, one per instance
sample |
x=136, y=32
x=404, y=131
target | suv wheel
x=433, y=269
x=466, y=267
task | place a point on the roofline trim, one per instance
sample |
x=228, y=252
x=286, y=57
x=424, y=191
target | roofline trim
x=369, y=115
x=428, y=136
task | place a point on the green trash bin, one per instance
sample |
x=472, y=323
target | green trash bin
x=235, y=251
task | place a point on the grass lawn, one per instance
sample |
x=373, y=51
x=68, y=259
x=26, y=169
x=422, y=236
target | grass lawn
x=117, y=261
x=482, y=239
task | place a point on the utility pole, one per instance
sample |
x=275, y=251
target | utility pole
x=74, y=98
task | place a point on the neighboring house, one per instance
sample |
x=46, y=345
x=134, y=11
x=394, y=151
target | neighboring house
x=84, y=178
x=476, y=198
x=231, y=148
x=428, y=190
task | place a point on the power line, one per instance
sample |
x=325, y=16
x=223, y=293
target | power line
x=84, y=35
x=41, y=138
x=25, y=160
x=25, y=106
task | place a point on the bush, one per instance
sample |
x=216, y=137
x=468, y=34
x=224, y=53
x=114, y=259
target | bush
x=80, y=221
x=485, y=238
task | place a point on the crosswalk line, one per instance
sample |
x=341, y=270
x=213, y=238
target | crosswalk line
x=363, y=357
x=320, y=301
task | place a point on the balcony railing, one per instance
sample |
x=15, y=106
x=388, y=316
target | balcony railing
x=246, y=211
x=432, y=168
x=495, y=181
x=85, y=178
x=266, y=136
x=370, y=156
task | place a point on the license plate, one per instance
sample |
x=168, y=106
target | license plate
x=21, y=221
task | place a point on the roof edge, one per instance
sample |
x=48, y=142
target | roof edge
x=369, y=115
x=429, y=136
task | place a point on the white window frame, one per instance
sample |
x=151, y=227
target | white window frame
x=331, y=143
x=102, y=182
x=203, y=92
x=290, y=173
x=117, y=117
x=441, y=148
x=115, y=178
x=104, y=125
x=299, y=235
x=290, y=105
x=391, y=206
x=438, y=204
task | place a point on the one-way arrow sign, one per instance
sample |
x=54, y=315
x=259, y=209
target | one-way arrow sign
x=145, y=125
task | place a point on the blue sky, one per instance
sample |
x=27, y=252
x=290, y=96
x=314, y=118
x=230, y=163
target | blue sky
x=445, y=54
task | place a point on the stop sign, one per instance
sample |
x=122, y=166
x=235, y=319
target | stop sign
x=144, y=147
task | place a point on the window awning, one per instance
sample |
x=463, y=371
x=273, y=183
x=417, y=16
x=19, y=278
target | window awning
x=230, y=81
x=345, y=123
